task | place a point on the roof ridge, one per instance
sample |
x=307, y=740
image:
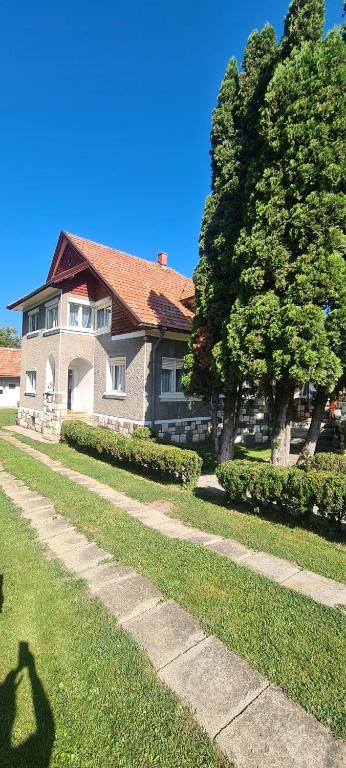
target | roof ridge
x=147, y=262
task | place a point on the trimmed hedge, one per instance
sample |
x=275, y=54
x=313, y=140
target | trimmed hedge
x=327, y=462
x=288, y=488
x=142, y=433
x=177, y=464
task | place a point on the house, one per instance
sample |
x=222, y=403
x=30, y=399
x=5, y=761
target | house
x=105, y=337
x=9, y=377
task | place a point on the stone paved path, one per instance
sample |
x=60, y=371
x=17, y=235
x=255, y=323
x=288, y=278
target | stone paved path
x=253, y=723
x=288, y=574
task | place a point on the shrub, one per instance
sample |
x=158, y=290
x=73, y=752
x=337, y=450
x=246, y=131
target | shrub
x=142, y=433
x=167, y=461
x=289, y=489
x=327, y=462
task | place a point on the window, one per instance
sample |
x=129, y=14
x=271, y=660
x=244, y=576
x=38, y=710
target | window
x=52, y=316
x=33, y=321
x=80, y=315
x=31, y=382
x=117, y=368
x=171, y=375
x=50, y=374
x=103, y=317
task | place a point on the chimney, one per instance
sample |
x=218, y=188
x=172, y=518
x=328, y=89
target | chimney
x=162, y=259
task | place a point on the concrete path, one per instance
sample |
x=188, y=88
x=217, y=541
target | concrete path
x=252, y=722
x=29, y=433
x=288, y=574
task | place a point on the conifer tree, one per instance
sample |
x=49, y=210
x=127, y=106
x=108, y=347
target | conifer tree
x=285, y=329
x=234, y=140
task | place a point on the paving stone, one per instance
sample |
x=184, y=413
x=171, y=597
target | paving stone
x=100, y=575
x=274, y=732
x=66, y=541
x=165, y=632
x=85, y=557
x=150, y=517
x=42, y=516
x=215, y=682
x=201, y=537
x=173, y=529
x=52, y=528
x=129, y=597
x=273, y=567
x=230, y=548
x=318, y=587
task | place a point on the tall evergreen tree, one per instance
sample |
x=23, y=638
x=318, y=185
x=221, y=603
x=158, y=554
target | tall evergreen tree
x=292, y=247
x=303, y=23
x=234, y=140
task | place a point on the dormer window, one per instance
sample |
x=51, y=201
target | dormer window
x=103, y=317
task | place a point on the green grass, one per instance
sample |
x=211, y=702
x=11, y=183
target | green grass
x=206, y=451
x=98, y=702
x=7, y=416
x=308, y=548
x=292, y=640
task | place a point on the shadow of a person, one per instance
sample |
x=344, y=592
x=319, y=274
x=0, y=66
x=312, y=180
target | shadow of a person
x=37, y=748
x=1, y=591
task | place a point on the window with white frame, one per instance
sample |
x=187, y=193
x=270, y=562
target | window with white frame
x=80, y=315
x=33, y=320
x=171, y=375
x=103, y=317
x=116, y=379
x=52, y=316
x=31, y=382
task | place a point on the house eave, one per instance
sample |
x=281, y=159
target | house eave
x=43, y=293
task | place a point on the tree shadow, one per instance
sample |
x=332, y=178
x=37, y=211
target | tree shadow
x=320, y=526
x=36, y=751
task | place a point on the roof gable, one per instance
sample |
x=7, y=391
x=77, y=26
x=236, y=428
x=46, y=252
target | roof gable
x=151, y=293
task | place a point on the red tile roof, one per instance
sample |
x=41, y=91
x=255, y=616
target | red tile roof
x=152, y=293
x=10, y=362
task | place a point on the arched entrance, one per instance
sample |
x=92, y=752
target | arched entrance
x=80, y=386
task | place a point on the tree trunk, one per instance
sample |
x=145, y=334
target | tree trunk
x=226, y=443
x=281, y=421
x=309, y=446
x=214, y=420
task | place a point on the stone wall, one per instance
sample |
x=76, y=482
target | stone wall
x=186, y=431
x=123, y=426
x=48, y=420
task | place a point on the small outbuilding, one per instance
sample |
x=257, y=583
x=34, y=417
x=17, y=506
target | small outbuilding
x=9, y=377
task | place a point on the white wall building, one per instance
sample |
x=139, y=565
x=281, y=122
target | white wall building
x=9, y=377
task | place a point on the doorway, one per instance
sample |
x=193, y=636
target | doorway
x=70, y=385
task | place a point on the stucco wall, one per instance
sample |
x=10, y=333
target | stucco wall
x=131, y=406
x=35, y=353
x=165, y=409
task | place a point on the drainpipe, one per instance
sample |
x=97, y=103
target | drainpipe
x=162, y=330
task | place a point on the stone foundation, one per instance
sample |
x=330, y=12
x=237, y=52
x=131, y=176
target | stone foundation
x=123, y=426
x=186, y=431
x=47, y=421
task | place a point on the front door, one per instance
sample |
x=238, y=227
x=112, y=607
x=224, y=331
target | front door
x=69, y=389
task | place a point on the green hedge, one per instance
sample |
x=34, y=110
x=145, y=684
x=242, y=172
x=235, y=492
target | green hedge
x=327, y=462
x=176, y=464
x=263, y=484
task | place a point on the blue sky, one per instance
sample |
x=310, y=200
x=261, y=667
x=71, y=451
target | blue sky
x=105, y=119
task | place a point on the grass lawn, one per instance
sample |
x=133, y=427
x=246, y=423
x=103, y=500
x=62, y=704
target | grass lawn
x=309, y=548
x=7, y=416
x=295, y=642
x=97, y=701
x=206, y=451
